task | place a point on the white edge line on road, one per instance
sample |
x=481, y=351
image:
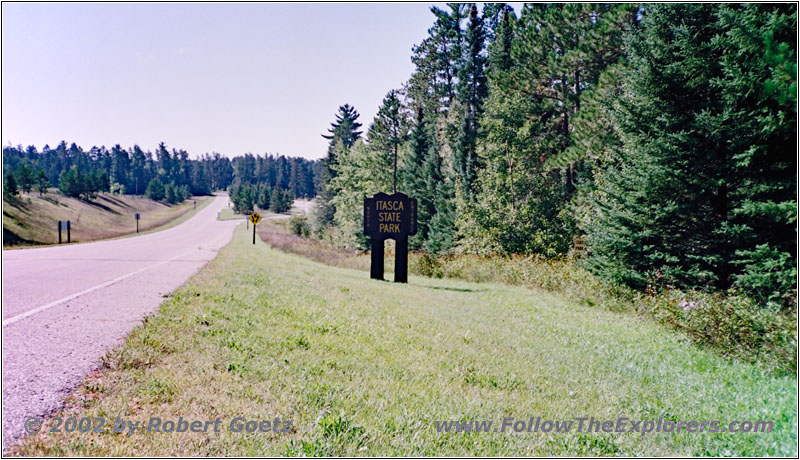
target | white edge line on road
x=36, y=310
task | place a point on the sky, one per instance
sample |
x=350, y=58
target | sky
x=227, y=78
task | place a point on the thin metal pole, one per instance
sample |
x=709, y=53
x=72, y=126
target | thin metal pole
x=394, y=177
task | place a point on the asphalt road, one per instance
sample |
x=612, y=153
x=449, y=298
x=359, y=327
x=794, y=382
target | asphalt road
x=64, y=307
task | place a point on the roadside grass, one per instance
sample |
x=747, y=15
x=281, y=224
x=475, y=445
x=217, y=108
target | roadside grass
x=364, y=368
x=31, y=220
x=228, y=214
x=727, y=322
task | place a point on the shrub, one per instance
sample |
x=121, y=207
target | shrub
x=730, y=322
x=155, y=190
x=426, y=265
x=769, y=275
x=298, y=225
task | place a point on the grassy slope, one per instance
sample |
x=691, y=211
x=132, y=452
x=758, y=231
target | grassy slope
x=107, y=216
x=365, y=367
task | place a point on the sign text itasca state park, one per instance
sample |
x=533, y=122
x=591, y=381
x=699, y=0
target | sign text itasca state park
x=390, y=217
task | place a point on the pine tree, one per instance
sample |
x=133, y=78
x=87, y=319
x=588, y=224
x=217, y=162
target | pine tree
x=703, y=183
x=416, y=176
x=345, y=128
x=472, y=91
x=25, y=177
x=155, y=190
x=388, y=131
x=437, y=60
x=10, y=185
x=171, y=194
x=72, y=183
x=42, y=183
x=499, y=58
x=276, y=201
x=344, y=133
x=441, y=228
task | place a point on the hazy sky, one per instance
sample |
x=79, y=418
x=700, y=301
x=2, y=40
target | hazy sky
x=202, y=77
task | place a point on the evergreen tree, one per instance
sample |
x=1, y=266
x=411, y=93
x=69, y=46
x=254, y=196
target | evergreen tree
x=472, y=91
x=414, y=176
x=344, y=133
x=441, y=228
x=437, y=60
x=360, y=172
x=276, y=203
x=345, y=128
x=499, y=59
x=25, y=178
x=388, y=131
x=701, y=194
x=170, y=194
x=155, y=190
x=10, y=185
x=72, y=183
x=41, y=181
x=120, y=166
x=138, y=177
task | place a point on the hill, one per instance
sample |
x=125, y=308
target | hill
x=368, y=368
x=30, y=219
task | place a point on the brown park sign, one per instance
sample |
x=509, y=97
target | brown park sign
x=390, y=217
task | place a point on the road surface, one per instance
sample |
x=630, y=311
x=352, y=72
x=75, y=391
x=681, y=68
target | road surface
x=64, y=307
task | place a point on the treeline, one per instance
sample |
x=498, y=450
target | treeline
x=246, y=197
x=169, y=176
x=662, y=134
x=271, y=183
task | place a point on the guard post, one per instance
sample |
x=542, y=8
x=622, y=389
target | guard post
x=137, y=222
x=64, y=225
x=390, y=217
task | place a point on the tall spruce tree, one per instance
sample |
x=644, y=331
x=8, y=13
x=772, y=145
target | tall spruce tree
x=472, y=91
x=343, y=134
x=701, y=194
x=419, y=177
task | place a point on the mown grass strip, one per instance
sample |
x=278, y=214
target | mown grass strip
x=365, y=367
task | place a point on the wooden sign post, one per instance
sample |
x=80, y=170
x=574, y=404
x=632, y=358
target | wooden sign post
x=390, y=217
x=137, y=222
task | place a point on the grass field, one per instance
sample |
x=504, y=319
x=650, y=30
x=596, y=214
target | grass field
x=33, y=220
x=366, y=367
x=228, y=214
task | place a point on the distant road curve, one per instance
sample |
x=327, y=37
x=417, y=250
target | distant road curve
x=64, y=307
